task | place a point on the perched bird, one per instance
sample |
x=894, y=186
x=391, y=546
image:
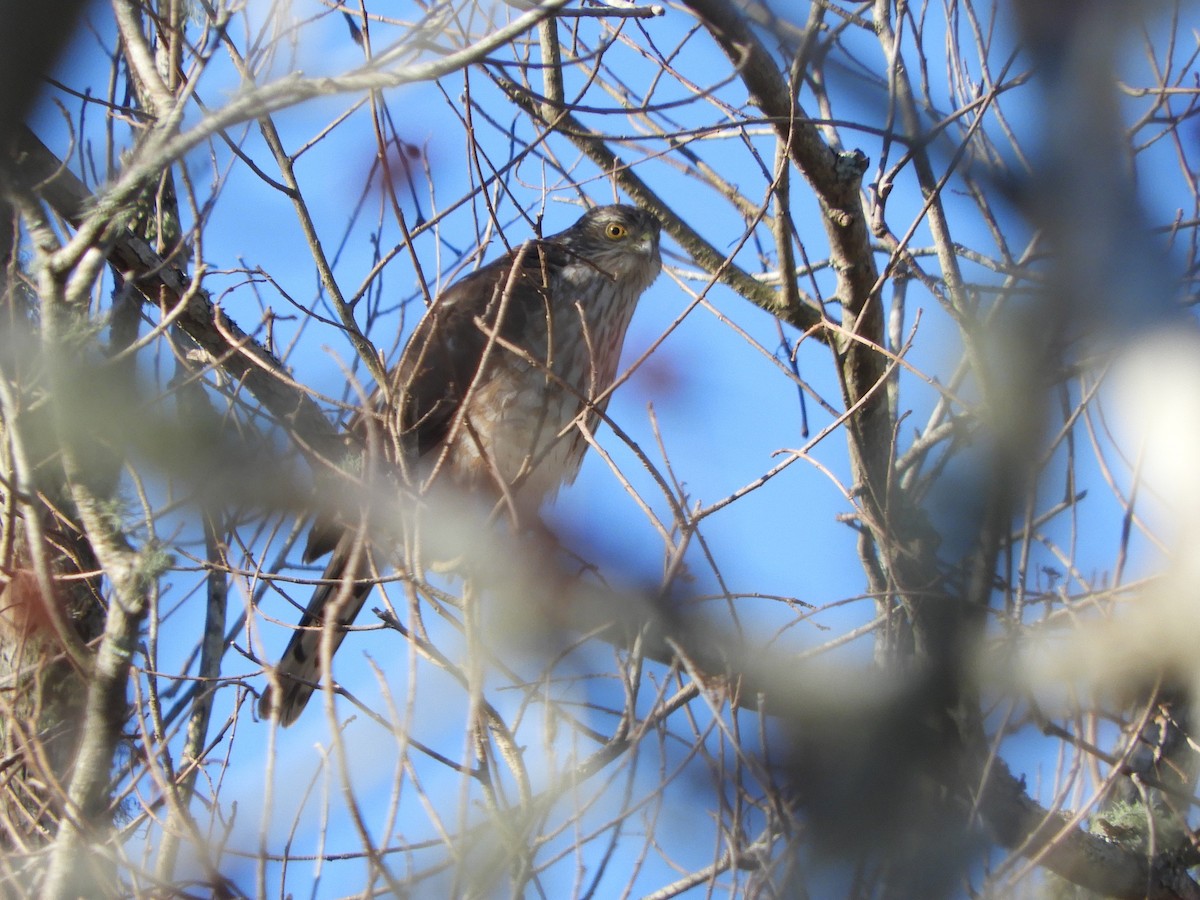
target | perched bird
x=488, y=394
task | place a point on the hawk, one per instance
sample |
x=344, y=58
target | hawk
x=490, y=392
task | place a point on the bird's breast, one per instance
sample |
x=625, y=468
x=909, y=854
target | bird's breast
x=520, y=422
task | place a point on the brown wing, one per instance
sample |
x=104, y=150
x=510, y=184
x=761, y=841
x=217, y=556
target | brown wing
x=441, y=359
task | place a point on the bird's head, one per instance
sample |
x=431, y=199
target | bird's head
x=622, y=240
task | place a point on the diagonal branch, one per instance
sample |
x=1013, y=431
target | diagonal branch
x=835, y=178
x=560, y=120
x=242, y=358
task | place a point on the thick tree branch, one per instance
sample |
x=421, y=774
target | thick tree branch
x=1081, y=857
x=800, y=315
x=835, y=179
x=241, y=357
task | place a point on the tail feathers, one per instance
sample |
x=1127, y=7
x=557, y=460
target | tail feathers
x=299, y=669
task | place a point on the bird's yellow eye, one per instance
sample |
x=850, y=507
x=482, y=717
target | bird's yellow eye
x=615, y=231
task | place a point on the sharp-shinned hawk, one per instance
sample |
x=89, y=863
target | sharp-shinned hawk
x=490, y=392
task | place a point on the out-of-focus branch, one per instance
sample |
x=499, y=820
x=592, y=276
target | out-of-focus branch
x=32, y=36
x=770, y=683
x=241, y=357
x=71, y=868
